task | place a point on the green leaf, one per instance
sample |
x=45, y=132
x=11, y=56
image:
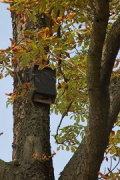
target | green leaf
x=67, y=148
x=58, y=148
x=62, y=147
x=72, y=149
x=82, y=119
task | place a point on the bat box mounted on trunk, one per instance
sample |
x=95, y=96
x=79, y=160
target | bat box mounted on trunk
x=45, y=85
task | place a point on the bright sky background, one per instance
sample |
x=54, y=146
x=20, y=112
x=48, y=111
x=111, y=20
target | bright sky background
x=6, y=119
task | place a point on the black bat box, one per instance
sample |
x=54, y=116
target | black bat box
x=45, y=85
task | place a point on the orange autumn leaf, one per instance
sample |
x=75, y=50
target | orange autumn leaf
x=12, y=41
x=66, y=33
x=106, y=159
x=59, y=19
x=53, y=154
x=108, y=150
x=80, y=26
x=16, y=48
x=10, y=9
x=59, y=86
x=113, y=134
x=44, y=32
x=27, y=40
x=1, y=75
x=13, y=95
x=103, y=176
x=10, y=2
x=2, y=51
x=14, y=60
x=1, y=133
x=18, y=13
x=67, y=54
x=8, y=94
x=70, y=16
x=35, y=155
x=79, y=36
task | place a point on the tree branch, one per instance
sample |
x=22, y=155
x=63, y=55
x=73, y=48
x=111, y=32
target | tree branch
x=110, y=51
x=96, y=46
x=64, y=114
x=98, y=98
x=92, y=5
x=8, y=170
x=114, y=102
x=90, y=152
x=75, y=165
x=15, y=171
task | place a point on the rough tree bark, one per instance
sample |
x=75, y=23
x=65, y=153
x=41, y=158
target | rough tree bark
x=31, y=126
x=31, y=123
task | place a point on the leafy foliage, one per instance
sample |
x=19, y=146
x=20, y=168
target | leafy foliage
x=62, y=45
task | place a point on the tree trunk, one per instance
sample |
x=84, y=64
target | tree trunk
x=31, y=124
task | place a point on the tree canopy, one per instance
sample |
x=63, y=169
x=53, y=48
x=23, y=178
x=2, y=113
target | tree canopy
x=81, y=40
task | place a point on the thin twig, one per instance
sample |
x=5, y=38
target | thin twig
x=118, y=159
x=116, y=165
x=111, y=170
x=67, y=61
x=91, y=5
x=64, y=114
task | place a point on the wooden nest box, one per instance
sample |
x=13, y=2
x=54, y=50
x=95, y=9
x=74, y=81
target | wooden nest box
x=45, y=85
